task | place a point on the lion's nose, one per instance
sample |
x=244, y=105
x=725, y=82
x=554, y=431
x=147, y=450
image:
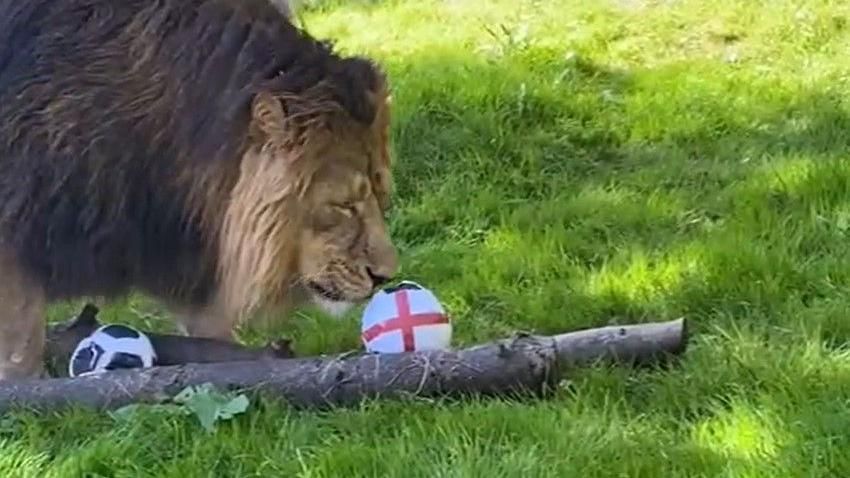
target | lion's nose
x=378, y=279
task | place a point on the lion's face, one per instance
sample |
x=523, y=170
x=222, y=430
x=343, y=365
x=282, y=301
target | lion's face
x=307, y=213
x=345, y=250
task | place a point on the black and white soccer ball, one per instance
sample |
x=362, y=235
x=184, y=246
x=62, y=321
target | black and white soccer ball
x=111, y=347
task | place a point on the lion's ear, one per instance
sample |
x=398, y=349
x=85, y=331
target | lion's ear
x=267, y=114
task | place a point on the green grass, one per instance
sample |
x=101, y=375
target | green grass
x=560, y=165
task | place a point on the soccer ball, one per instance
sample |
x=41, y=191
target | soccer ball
x=111, y=347
x=405, y=318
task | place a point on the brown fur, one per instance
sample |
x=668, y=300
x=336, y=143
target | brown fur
x=205, y=152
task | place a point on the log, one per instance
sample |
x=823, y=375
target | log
x=516, y=365
x=62, y=338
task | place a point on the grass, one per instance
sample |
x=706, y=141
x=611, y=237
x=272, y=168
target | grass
x=568, y=164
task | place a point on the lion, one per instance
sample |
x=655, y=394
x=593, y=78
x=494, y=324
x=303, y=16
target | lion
x=207, y=153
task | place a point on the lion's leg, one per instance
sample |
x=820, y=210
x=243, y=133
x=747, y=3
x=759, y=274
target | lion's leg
x=208, y=322
x=22, y=322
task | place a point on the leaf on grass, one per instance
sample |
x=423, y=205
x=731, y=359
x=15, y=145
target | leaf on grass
x=210, y=405
x=235, y=406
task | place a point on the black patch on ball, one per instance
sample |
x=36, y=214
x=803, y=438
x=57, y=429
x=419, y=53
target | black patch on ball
x=124, y=360
x=120, y=332
x=86, y=358
x=402, y=286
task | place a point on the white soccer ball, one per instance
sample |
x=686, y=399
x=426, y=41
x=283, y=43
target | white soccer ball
x=111, y=347
x=405, y=318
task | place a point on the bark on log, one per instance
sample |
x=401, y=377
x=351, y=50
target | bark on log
x=521, y=364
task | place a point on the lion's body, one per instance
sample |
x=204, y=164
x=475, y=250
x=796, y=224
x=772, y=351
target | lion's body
x=124, y=131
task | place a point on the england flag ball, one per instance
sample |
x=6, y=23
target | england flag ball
x=405, y=318
x=111, y=347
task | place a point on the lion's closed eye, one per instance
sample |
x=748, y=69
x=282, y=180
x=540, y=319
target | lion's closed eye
x=349, y=209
